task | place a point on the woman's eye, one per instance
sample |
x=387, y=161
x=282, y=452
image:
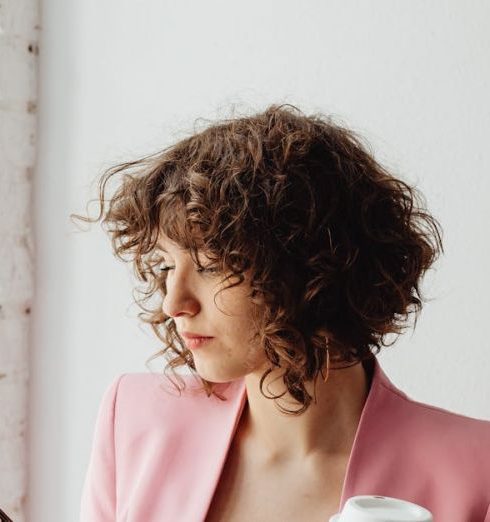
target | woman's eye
x=210, y=270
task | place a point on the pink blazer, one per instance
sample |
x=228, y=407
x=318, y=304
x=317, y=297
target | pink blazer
x=157, y=457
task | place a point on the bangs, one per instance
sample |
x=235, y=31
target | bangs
x=175, y=222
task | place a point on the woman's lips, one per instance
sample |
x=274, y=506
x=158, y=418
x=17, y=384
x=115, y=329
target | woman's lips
x=197, y=342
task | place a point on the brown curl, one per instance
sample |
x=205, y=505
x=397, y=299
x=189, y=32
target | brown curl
x=335, y=244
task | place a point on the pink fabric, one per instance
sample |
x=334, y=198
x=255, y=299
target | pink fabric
x=157, y=457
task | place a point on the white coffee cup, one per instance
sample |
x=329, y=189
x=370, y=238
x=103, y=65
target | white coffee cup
x=376, y=508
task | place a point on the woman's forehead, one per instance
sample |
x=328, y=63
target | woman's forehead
x=165, y=244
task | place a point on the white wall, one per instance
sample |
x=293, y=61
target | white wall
x=121, y=78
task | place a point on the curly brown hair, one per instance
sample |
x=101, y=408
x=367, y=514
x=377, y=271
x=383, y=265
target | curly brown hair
x=336, y=245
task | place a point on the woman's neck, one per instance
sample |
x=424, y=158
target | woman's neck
x=326, y=429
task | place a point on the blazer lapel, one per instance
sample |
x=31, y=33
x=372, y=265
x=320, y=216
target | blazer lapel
x=373, y=432
x=221, y=422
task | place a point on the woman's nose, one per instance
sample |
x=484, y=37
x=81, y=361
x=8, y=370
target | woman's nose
x=179, y=298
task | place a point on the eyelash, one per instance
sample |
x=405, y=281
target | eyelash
x=209, y=270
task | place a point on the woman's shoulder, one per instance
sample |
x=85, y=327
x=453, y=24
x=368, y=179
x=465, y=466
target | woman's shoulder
x=404, y=406
x=154, y=397
x=148, y=381
x=442, y=418
x=445, y=435
x=145, y=410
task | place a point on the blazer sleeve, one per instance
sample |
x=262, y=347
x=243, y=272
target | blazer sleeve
x=98, y=501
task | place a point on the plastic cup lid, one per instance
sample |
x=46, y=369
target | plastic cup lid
x=376, y=508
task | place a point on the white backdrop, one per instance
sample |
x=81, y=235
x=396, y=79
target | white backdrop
x=121, y=79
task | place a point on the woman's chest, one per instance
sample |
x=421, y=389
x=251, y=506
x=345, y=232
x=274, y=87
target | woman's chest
x=246, y=493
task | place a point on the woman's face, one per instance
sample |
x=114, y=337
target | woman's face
x=189, y=300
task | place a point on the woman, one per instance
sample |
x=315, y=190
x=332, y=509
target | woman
x=279, y=256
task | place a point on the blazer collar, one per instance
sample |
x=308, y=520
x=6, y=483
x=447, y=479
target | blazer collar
x=236, y=395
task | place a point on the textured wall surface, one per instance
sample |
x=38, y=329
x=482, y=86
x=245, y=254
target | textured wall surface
x=19, y=29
